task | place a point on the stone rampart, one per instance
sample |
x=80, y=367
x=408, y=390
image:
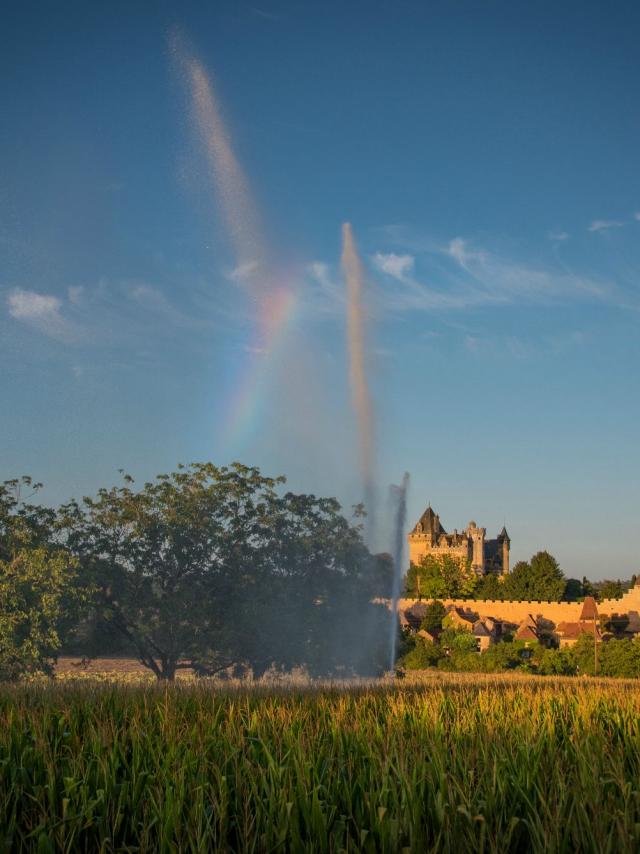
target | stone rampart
x=556, y=612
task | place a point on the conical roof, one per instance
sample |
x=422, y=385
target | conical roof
x=589, y=609
x=430, y=522
x=503, y=535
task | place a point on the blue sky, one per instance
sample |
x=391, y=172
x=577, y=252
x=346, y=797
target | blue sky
x=487, y=157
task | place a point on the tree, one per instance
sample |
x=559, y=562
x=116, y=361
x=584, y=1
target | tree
x=616, y=624
x=609, y=589
x=573, y=590
x=490, y=586
x=208, y=567
x=22, y=524
x=423, y=655
x=506, y=655
x=434, y=614
x=540, y=579
x=583, y=653
x=440, y=578
x=619, y=658
x=39, y=605
x=557, y=662
x=40, y=594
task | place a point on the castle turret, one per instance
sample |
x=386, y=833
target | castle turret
x=476, y=536
x=504, y=542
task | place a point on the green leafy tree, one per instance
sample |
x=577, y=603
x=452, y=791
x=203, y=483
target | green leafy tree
x=40, y=594
x=424, y=654
x=458, y=640
x=540, y=579
x=616, y=624
x=573, y=590
x=39, y=606
x=209, y=567
x=490, y=586
x=434, y=615
x=619, y=658
x=557, y=662
x=609, y=589
x=23, y=524
x=440, y=578
x=506, y=655
x=583, y=653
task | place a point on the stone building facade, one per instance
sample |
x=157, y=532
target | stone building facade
x=428, y=537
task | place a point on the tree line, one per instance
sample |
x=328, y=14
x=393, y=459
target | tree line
x=539, y=579
x=207, y=568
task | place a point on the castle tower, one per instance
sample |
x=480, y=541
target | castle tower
x=425, y=535
x=476, y=536
x=504, y=542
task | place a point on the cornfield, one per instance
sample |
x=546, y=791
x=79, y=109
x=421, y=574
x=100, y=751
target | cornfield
x=449, y=763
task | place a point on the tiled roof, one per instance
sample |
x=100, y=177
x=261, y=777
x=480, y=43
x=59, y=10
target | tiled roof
x=572, y=631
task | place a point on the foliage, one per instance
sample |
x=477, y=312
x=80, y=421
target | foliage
x=507, y=655
x=573, y=590
x=584, y=654
x=40, y=595
x=616, y=624
x=490, y=586
x=208, y=567
x=439, y=578
x=39, y=602
x=459, y=641
x=540, y=579
x=424, y=654
x=620, y=658
x=557, y=662
x=498, y=657
x=434, y=615
x=22, y=524
x=609, y=589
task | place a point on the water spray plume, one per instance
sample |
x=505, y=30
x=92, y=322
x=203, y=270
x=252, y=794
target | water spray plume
x=272, y=289
x=400, y=495
x=237, y=205
x=354, y=276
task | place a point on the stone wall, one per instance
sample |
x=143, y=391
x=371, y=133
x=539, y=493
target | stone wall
x=419, y=546
x=557, y=612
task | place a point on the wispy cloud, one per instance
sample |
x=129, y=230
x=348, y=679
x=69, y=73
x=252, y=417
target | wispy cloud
x=398, y=266
x=114, y=313
x=460, y=274
x=637, y=215
x=326, y=293
x=39, y=311
x=558, y=236
x=605, y=224
x=243, y=271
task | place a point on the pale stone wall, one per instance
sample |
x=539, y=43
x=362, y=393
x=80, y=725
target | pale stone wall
x=420, y=545
x=556, y=612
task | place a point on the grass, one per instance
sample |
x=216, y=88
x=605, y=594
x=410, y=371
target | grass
x=449, y=763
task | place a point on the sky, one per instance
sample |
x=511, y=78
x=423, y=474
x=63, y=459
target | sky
x=486, y=156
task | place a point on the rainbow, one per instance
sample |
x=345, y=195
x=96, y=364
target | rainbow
x=277, y=310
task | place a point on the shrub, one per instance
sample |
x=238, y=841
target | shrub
x=424, y=654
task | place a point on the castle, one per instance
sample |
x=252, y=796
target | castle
x=428, y=537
